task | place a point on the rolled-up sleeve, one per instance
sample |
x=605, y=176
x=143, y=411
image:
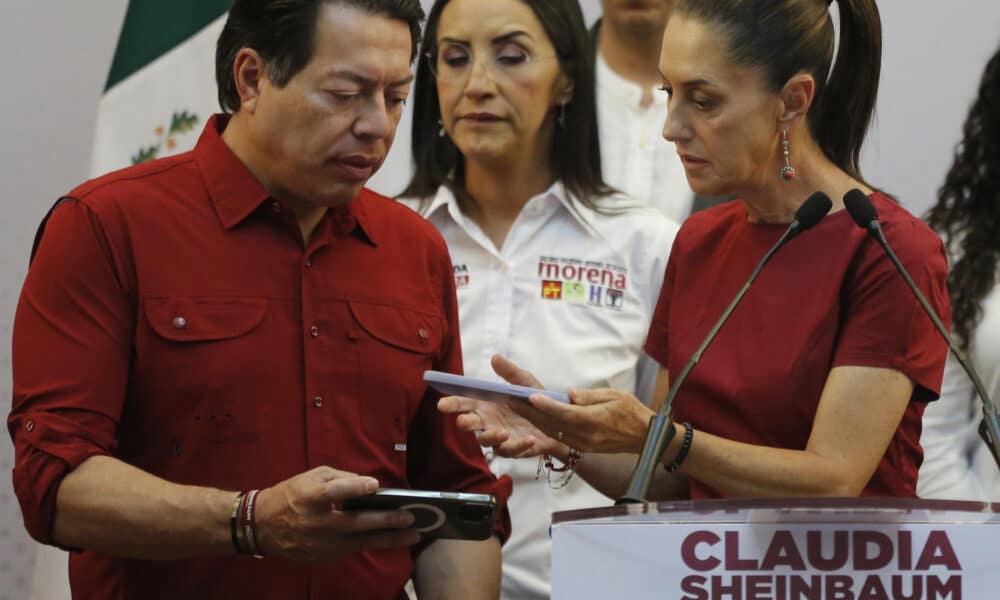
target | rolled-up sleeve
x=71, y=352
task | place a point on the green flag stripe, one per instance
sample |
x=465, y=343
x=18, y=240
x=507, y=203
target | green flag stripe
x=153, y=27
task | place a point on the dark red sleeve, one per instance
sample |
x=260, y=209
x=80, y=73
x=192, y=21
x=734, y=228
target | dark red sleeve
x=885, y=326
x=657, y=338
x=70, y=360
x=439, y=456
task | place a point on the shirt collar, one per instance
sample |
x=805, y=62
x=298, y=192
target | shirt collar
x=236, y=193
x=443, y=198
x=233, y=189
x=555, y=198
x=358, y=212
x=629, y=91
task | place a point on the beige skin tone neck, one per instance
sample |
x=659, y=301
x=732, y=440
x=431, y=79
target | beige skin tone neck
x=633, y=53
x=775, y=201
x=307, y=214
x=498, y=192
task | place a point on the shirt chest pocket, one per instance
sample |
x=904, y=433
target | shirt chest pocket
x=194, y=363
x=395, y=346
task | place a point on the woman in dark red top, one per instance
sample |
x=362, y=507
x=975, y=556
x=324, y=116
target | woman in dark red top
x=817, y=383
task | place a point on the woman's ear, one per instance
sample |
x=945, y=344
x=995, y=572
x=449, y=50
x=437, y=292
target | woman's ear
x=564, y=90
x=248, y=73
x=796, y=98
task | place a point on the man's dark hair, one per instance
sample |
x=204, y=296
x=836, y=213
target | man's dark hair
x=284, y=32
x=576, y=154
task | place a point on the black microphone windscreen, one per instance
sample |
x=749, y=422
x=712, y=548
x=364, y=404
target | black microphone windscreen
x=813, y=210
x=860, y=207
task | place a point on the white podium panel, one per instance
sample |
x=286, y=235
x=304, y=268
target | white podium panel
x=831, y=549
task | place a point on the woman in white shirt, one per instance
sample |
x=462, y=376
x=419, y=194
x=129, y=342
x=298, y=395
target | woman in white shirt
x=957, y=464
x=552, y=267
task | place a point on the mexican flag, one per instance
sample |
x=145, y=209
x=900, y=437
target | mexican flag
x=161, y=86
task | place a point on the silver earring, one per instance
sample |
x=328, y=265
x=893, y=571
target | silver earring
x=561, y=119
x=787, y=173
x=441, y=130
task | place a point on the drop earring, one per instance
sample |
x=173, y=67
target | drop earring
x=441, y=130
x=561, y=119
x=787, y=173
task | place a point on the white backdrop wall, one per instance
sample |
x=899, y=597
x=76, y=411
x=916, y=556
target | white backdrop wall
x=57, y=55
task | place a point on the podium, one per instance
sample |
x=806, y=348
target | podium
x=793, y=549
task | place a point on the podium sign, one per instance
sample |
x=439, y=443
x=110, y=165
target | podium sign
x=830, y=549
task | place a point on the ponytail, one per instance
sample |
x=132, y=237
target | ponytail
x=845, y=110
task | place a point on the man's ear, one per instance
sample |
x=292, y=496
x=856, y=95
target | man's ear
x=796, y=98
x=248, y=73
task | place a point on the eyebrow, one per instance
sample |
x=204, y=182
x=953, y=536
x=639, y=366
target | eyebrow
x=691, y=82
x=367, y=82
x=497, y=40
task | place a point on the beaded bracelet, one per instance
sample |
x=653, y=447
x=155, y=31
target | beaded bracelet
x=685, y=447
x=566, y=470
x=248, y=523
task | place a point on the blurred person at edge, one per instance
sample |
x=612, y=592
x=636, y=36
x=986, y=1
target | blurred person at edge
x=246, y=316
x=817, y=383
x=957, y=464
x=549, y=261
x=630, y=108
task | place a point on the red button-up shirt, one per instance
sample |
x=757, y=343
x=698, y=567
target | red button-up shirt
x=173, y=318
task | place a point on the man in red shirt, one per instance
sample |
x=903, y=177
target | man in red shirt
x=245, y=316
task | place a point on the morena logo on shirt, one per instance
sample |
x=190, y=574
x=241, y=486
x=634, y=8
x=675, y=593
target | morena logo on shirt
x=577, y=281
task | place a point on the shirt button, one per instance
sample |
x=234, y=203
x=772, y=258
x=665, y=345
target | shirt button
x=318, y=401
x=423, y=333
x=309, y=263
x=180, y=322
x=314, y=331
x=276, y=207
x=30, y=425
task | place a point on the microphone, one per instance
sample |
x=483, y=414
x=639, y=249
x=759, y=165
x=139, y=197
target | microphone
x=661, y=427
x=864, y=214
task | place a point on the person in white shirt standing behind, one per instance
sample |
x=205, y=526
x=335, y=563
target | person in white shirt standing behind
x=957, y=464
x=553, y=268
x=631, y=108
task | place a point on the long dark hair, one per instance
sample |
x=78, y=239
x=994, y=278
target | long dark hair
x=575, y=155
x=967, y=212
x=786, y=37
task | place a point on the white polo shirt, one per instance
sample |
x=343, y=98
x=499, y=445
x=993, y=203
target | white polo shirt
x=569, y=297
x=634, y=156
